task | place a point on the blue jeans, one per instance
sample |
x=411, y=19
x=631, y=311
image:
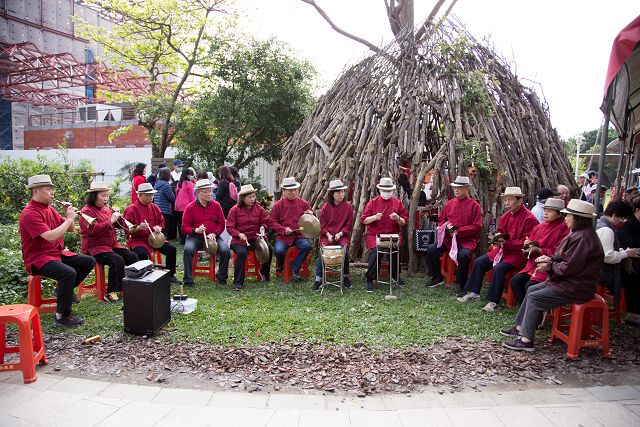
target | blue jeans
x=345, y=266
x=195, y=243
x=480, y=267
x=304, y=247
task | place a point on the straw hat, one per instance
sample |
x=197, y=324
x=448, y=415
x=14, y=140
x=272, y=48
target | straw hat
x=39, y=181
x=290, y=183
x=246, y=189
x=580, y=208
x=461, y=181
x=512, y=191
x=202, y=184
x=386, y=184
x=99, y=186
x=555, y=204
x=337, y=184
x=145, y=188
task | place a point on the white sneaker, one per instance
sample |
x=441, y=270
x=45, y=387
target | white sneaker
x=490, y=307
x=470, y=296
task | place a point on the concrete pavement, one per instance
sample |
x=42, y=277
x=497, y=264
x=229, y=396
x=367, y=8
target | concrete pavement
x=65, y=401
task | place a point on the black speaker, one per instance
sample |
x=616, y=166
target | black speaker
x=147, y=302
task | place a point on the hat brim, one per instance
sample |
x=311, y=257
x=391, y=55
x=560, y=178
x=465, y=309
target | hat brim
x=386, y=188
x=453, y=184
x=242, y=193
x=553, y=208
x=146, y=192
x=344, y=187
x=582, y=214
x=98, y=190
x=514, y=195
x=204, y=187
x=40, y=184
x=291, y=187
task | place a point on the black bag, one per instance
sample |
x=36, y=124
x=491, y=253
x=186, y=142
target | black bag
x=422, y=239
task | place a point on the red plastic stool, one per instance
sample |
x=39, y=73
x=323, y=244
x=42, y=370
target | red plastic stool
x=614, y=311
x=208, y=269
x=588, y=327
x=34, y=296
x=98, y=287
x=286, y=273
x=251, y=265
x=30, y=340
x=448, y=268
x=156, y=257
x=507, y=292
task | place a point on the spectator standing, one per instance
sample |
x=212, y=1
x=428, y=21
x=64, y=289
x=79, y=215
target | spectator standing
x=185, y=194
x=164, y=197
x=629, y=237
x=138, y=178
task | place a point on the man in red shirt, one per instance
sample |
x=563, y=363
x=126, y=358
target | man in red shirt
x=200, y=217
x=283, y=219
x=384, y=214
x=514, y=226
x=459, y=221
x=142, y=213
x=42, y=231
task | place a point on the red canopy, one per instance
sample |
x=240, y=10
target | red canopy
x=623, y=46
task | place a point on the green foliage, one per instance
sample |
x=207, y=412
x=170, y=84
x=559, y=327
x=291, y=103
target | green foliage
x=474, y=94
x=71, y=182
x=475, y=154
x=13, y=277
x=260, y=95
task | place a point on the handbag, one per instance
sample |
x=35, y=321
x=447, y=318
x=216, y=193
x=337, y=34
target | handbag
x=422, y=239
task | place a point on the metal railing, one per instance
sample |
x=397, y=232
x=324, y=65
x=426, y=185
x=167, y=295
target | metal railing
x=73, y=116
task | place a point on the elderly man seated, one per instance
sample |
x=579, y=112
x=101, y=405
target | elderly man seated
x=513, y=228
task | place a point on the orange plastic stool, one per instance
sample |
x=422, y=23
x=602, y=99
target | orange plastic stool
x=448, y=268
x=208, y=269
x=34, y=296
x=614, y=311
x=98, y=287
x=251, y=265
x=286, y=273
x=507, y=293
x=30, y=340
x=588, y=327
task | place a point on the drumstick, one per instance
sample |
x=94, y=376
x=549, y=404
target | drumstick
x=204, y=234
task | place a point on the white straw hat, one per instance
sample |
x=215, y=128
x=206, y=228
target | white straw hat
x=386, y=183
x=146, y=188
x=98, y=186
x=246, y=189
x=290, y=183
x=461, y=181
x=512, y=191
x=580, y=208
x=204, y=183
x=551, y=203
x=39, y=181
x=337, y=184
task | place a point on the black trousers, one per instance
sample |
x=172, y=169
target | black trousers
x=177, y=220
x=631, y=284
x=372, y=266
x=434, y=253
x=168, y=250
x=519, y=285
x=168, y=227
x=69, y=273
x=241, y=252
x=116, y=260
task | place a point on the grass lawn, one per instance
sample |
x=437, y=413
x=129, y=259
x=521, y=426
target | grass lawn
x=278, y=312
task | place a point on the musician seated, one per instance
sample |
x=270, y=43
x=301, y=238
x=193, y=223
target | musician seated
x=284, y=220
x=42, y=231
x=147, y=217
x=204, y=217
x=384, y=214
x=243, y=225
x=336, y=220
x=459, y=226
x=513, y=227
x=99, y=237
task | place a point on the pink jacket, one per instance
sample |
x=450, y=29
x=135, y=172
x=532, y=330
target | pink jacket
x=184, y=196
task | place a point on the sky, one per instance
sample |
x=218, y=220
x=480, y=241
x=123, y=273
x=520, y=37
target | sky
x=560, y=47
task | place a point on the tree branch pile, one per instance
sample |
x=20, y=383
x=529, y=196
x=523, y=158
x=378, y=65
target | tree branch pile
x=451, y=105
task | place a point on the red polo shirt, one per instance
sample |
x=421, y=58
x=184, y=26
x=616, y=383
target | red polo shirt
x=246, y=220
x=37, y=218
x=286, y=213
x=334, y=219
x=386, y=225
x=101, y=236
x=137, y=213
x=195, y=214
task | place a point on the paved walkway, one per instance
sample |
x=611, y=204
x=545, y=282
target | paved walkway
x=56, y=400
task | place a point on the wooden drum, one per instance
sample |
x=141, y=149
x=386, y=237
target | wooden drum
x=332, y=255
x=387, y=240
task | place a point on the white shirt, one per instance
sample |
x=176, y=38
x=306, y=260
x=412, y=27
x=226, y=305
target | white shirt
x=176, y=175
x=606, y=236
x=538, y=210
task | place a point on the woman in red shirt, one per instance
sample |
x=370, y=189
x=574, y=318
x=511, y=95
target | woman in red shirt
x=544, y=240
x=336, y=220
x=99, y=238
x=243, y=224
x=138, y=178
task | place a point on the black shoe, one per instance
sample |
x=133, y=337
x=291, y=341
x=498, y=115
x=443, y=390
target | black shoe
x=346, y=283
x=189, y=284
x=519, y=345
x=510, y=332
x=316, y=286
x=69, y=321
x=221, y=282
x=237, y=287
x=297, y=277
x=401, y=283
x=75, y=300
x=460, y=293
x=436, y=282
x=174, y=281
x=369, y=287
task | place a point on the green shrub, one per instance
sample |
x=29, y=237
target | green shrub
x=71, y=182
x=13, y=277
